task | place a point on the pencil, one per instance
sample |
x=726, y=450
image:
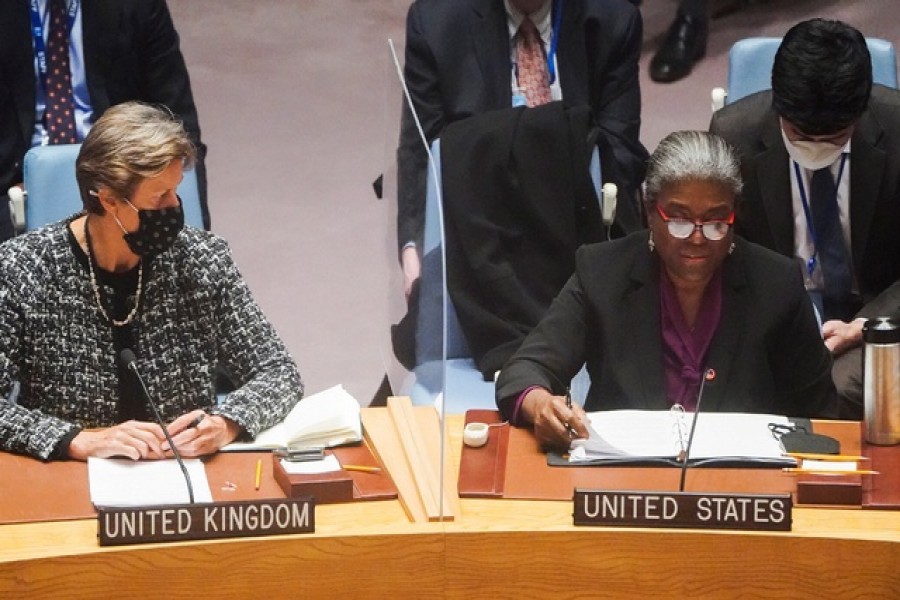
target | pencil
x=258, y=472
x=826, y=457
x=362, y=468
x=801, y=470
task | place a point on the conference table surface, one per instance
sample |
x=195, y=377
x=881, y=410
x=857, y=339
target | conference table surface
x=492, y=548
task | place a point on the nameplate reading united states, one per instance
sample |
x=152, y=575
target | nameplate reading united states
x=120, y=526
x=682, y=509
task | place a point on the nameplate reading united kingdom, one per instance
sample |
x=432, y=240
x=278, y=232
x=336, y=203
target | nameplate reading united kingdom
x=173, y=523
x=683, y=510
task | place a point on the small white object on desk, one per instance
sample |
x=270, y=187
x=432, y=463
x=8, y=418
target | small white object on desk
x=825, y=465
x=311, y=467
x=475, y=435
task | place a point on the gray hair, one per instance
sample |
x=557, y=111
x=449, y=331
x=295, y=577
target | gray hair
x=131, y=142
x=692, y=156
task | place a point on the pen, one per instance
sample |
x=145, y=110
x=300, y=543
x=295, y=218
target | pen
x=569, y=428
x=361, y=468
x=258, y=472
x=193, y=424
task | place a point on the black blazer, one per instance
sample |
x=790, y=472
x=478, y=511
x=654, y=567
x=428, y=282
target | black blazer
x=457, y=65
x=767, y=351
x=765, y=213
x=131, y=52
x=518, y=202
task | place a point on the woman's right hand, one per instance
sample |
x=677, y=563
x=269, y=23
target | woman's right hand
x=132, y=439
x=555, y=424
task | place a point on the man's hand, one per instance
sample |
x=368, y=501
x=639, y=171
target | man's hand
x=555, y=424
x=840, y=337
x=412, y=268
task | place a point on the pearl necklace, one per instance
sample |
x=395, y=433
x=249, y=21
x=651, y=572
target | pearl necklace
x=137, y=299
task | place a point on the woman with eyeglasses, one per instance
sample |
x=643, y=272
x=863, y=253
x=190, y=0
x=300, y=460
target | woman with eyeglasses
x=654, y=313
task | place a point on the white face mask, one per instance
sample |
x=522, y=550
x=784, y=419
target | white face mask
x=812, y=155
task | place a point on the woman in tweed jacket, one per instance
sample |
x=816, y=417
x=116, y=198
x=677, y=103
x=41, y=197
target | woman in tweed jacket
x=125, y=274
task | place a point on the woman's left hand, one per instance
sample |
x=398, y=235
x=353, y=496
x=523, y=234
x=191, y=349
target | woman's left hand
x=197, y=433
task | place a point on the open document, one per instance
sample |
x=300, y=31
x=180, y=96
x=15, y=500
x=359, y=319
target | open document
x=329, y=418
x=117, y=482
x=634, y=437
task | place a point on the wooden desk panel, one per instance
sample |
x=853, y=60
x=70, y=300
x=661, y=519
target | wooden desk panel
x=521, y=471
x=362, y=546
x=36, y=491
x=495, y=549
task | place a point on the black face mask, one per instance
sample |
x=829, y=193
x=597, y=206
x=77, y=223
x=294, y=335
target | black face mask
x=157, y=230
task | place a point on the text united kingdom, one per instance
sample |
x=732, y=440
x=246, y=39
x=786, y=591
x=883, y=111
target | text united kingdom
x=117, y=526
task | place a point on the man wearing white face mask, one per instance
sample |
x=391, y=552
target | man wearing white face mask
x=820, y=157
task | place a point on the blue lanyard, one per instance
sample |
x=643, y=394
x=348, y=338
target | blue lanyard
x=554, y=42
x=37, y=31
x=811, y=263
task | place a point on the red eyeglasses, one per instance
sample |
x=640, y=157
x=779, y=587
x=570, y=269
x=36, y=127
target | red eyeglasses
x=682, y=229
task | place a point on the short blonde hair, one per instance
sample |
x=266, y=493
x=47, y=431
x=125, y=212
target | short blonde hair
x=131, y=142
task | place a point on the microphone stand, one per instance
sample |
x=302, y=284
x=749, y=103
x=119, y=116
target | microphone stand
x=129, y=359
x=708, y=375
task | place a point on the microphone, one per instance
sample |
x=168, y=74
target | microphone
x=128, y=359
x=709, y=375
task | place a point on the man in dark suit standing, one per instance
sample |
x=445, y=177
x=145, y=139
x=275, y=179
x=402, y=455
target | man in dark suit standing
x=821, y=164
x=461, y=61
x=119, y=50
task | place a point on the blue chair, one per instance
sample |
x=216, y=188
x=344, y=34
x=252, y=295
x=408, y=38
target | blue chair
x=52, y=192
x=464, y=387
x=750, y=67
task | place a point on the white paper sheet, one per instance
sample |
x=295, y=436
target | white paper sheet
x=649, y=433
x=125, y=482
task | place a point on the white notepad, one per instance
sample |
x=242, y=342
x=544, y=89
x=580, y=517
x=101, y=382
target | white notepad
x=329, y=418
x=125, y=482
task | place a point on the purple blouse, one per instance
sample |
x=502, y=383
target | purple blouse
x=684, y=350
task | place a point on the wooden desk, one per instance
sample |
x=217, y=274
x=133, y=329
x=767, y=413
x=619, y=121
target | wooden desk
x=496, y=548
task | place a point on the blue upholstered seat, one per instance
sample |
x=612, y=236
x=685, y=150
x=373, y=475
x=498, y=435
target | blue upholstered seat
x=750, y=65
x=52, y=192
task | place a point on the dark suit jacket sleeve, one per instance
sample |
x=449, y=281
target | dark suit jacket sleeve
x=885, y=304
x=552, y=353
x=141, y=61
x=165, y=80
x=421, y=75
x=614, y=47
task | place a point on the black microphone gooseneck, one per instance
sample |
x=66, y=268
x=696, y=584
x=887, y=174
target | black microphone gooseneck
x=708, y=375
x=128, y=359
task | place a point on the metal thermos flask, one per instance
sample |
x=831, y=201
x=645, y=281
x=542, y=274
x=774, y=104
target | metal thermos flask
x=881, y=380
